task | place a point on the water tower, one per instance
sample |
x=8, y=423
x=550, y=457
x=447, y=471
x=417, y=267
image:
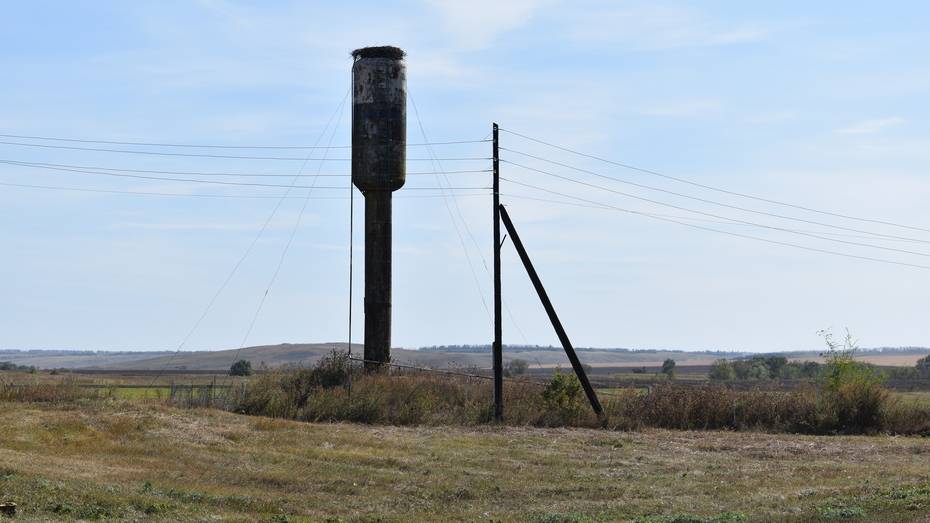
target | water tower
x=379, y=154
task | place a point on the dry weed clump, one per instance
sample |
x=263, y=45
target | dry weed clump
x=56, y=392
x=322, y=393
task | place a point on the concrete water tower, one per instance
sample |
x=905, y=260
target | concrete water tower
x=379, y=154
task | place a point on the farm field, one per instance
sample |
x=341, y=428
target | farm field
x=920, y=397
x=122, y=460
x=146, y=386
x=128, y=385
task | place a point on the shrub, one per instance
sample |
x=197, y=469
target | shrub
x=563, y=400
x=668, y=367
x=722, y=370
x=760, y=368
x=516, y=367
x=852, y=402
x=241, y=368
x=905, y=417
x=408, y=398
x=10, y=366
x=923, y=367
x=62, y=392
x=853, y=388
x=332, y=371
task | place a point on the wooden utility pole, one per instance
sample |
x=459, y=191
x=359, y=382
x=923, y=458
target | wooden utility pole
x=497, y=348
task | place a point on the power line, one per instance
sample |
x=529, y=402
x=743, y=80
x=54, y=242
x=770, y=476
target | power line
x=230, y=196
x=754, y=224
x=287, y=246
x=718, y=189
x=728, y=233
x=471, y=267
x=215, y=173
x=194, y=180
x=226, y=156
x=689, y=218
x=478, y=249
x=210, y=146
x=248, y=251
x=712, y=202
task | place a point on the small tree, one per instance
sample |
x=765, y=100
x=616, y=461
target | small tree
x=563, y=400
x=923, y=367
x=722, y=370
x=841, y=367
x=854, y=388
x=668, y=368
x=241, y=368
x=516, y=367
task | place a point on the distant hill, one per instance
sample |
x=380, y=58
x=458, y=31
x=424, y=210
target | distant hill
x=891, y=356
x=73, y=359
x=455, y=356
x=307, y=354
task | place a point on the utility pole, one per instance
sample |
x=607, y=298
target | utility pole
x=379, y=156
x=497, y=348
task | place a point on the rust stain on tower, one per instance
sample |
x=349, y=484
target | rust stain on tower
x=379, y=154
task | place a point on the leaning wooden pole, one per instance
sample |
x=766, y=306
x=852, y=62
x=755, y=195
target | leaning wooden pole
x=553, y=317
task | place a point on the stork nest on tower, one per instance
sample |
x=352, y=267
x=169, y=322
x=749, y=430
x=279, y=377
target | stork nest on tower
x=381, y=51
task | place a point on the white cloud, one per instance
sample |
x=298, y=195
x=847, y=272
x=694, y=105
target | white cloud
x=650, y=28
x=477, y=23
x=872, y=126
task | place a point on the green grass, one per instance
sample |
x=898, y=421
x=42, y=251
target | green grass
x=116, y=460
x=922, y=397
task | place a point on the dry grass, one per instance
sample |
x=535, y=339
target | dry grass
x=429, y=399
x=125, y=461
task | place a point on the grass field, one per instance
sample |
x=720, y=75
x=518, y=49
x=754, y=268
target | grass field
x=922, y=398
x=128, y=461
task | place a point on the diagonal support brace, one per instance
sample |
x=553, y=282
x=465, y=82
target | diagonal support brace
x=553, y=317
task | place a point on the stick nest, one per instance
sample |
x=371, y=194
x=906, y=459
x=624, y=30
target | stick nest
x=382, y=51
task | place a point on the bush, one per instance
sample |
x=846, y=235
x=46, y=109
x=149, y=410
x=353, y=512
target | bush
x=331, y=371
x=563, y=400
x=923, y=367
x=722, y=370
x=10, y=366
x=241, y=368
x=668, y=367
x=906, y=417
x=63, y=392
x=516, y=367
x=284, y=393
x=759, y=368
x=854, y=388
x=709, y=407
x=849, y=400
x=408, y=398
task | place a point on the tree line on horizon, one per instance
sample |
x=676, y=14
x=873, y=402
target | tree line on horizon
x=762, y=368
x=552, y=348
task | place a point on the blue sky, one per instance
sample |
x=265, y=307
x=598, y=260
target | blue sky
x=823, y=105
